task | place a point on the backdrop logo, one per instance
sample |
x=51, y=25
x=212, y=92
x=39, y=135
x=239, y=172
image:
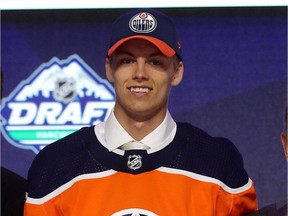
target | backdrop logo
x=58, y=98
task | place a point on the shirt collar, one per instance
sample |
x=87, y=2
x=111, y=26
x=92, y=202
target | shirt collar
x=115, y=135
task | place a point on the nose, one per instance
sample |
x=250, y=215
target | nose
x=140, y=72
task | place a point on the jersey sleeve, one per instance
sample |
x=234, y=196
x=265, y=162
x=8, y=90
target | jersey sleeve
x=238, y=202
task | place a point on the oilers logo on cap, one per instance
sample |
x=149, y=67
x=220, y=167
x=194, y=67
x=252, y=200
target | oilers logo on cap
x=146, y=24
x=143, y=23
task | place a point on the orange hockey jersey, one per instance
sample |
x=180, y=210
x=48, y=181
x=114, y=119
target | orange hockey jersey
x=195, y=175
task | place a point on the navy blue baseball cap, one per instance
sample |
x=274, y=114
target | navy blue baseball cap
x=147, y=24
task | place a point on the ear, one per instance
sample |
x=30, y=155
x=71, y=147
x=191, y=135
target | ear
x=284, y=144
x=177, y=78
x=109, y=72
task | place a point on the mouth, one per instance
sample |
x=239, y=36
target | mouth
x=139, y=89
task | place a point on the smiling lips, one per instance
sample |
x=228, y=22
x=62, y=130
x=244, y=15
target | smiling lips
x=140, y=89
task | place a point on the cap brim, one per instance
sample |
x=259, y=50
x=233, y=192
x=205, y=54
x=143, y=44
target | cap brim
x=162, y=46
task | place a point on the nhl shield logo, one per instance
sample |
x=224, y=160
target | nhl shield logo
x=134, y=162
x=65, y=89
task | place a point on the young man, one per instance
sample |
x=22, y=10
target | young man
x=140, y=161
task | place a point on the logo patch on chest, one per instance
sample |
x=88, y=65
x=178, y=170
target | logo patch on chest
x=134, y=162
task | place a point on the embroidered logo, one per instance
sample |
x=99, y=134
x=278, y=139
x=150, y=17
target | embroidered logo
x=134, y=212
x=134, y=162
x=143, y=23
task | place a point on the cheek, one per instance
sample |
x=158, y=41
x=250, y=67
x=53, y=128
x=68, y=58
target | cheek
x=164, y=86
x=167, y=82
x=117, y=77
x=119, y=83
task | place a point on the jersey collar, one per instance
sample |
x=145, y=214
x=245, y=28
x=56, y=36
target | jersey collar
x=112, y=135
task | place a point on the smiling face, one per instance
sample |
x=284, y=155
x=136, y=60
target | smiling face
x=142, y=78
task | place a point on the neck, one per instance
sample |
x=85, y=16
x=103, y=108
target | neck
x=139, y=126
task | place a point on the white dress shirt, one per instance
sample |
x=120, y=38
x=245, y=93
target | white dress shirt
x=112, y=135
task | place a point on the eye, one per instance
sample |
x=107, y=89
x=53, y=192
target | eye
x=155, y=62
x=126, y=61
x=123, y=61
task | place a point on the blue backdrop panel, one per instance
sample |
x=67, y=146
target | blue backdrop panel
x=234, y=84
